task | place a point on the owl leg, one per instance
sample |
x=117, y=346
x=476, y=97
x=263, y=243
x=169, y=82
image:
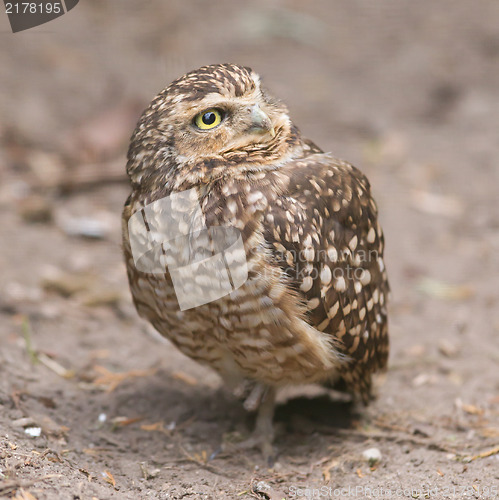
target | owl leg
x=261, y=398
x=264, y=428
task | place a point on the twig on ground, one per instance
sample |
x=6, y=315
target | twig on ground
x=484, y=454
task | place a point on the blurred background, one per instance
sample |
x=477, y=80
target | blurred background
x=406, y=91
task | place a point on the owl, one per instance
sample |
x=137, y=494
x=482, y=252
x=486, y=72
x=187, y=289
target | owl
x=311, y=307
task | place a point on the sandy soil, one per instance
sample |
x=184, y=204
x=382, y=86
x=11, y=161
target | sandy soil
x=407, y=91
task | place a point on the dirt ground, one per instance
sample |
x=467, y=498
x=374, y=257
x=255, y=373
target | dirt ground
x=93, y=406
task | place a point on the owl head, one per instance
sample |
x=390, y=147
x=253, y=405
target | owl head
x=216, y=114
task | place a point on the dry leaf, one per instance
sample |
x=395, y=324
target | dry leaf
x=23, y=495
x=158, y=426
x=108, y=477
x=326, y=471
x=472, y=409
x=109, y=380
x=123, y=421
x=201, y=457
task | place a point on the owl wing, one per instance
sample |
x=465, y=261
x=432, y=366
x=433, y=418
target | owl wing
x=324, y=233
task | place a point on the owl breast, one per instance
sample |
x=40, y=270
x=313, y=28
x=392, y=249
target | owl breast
x=258, y=331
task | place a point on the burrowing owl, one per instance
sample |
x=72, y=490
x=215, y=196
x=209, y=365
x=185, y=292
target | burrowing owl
x=313, y=305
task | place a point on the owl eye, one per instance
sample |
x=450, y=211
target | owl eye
x=209, y=119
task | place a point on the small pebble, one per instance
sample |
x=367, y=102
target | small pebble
x=372, y=456
x=33, y=431
x=261, y=487
x=448, y=348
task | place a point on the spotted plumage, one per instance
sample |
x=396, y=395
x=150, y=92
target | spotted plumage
x=313, y=307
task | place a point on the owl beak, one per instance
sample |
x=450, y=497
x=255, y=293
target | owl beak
x=260, y=122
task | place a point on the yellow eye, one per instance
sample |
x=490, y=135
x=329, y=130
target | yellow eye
x=208, y=119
